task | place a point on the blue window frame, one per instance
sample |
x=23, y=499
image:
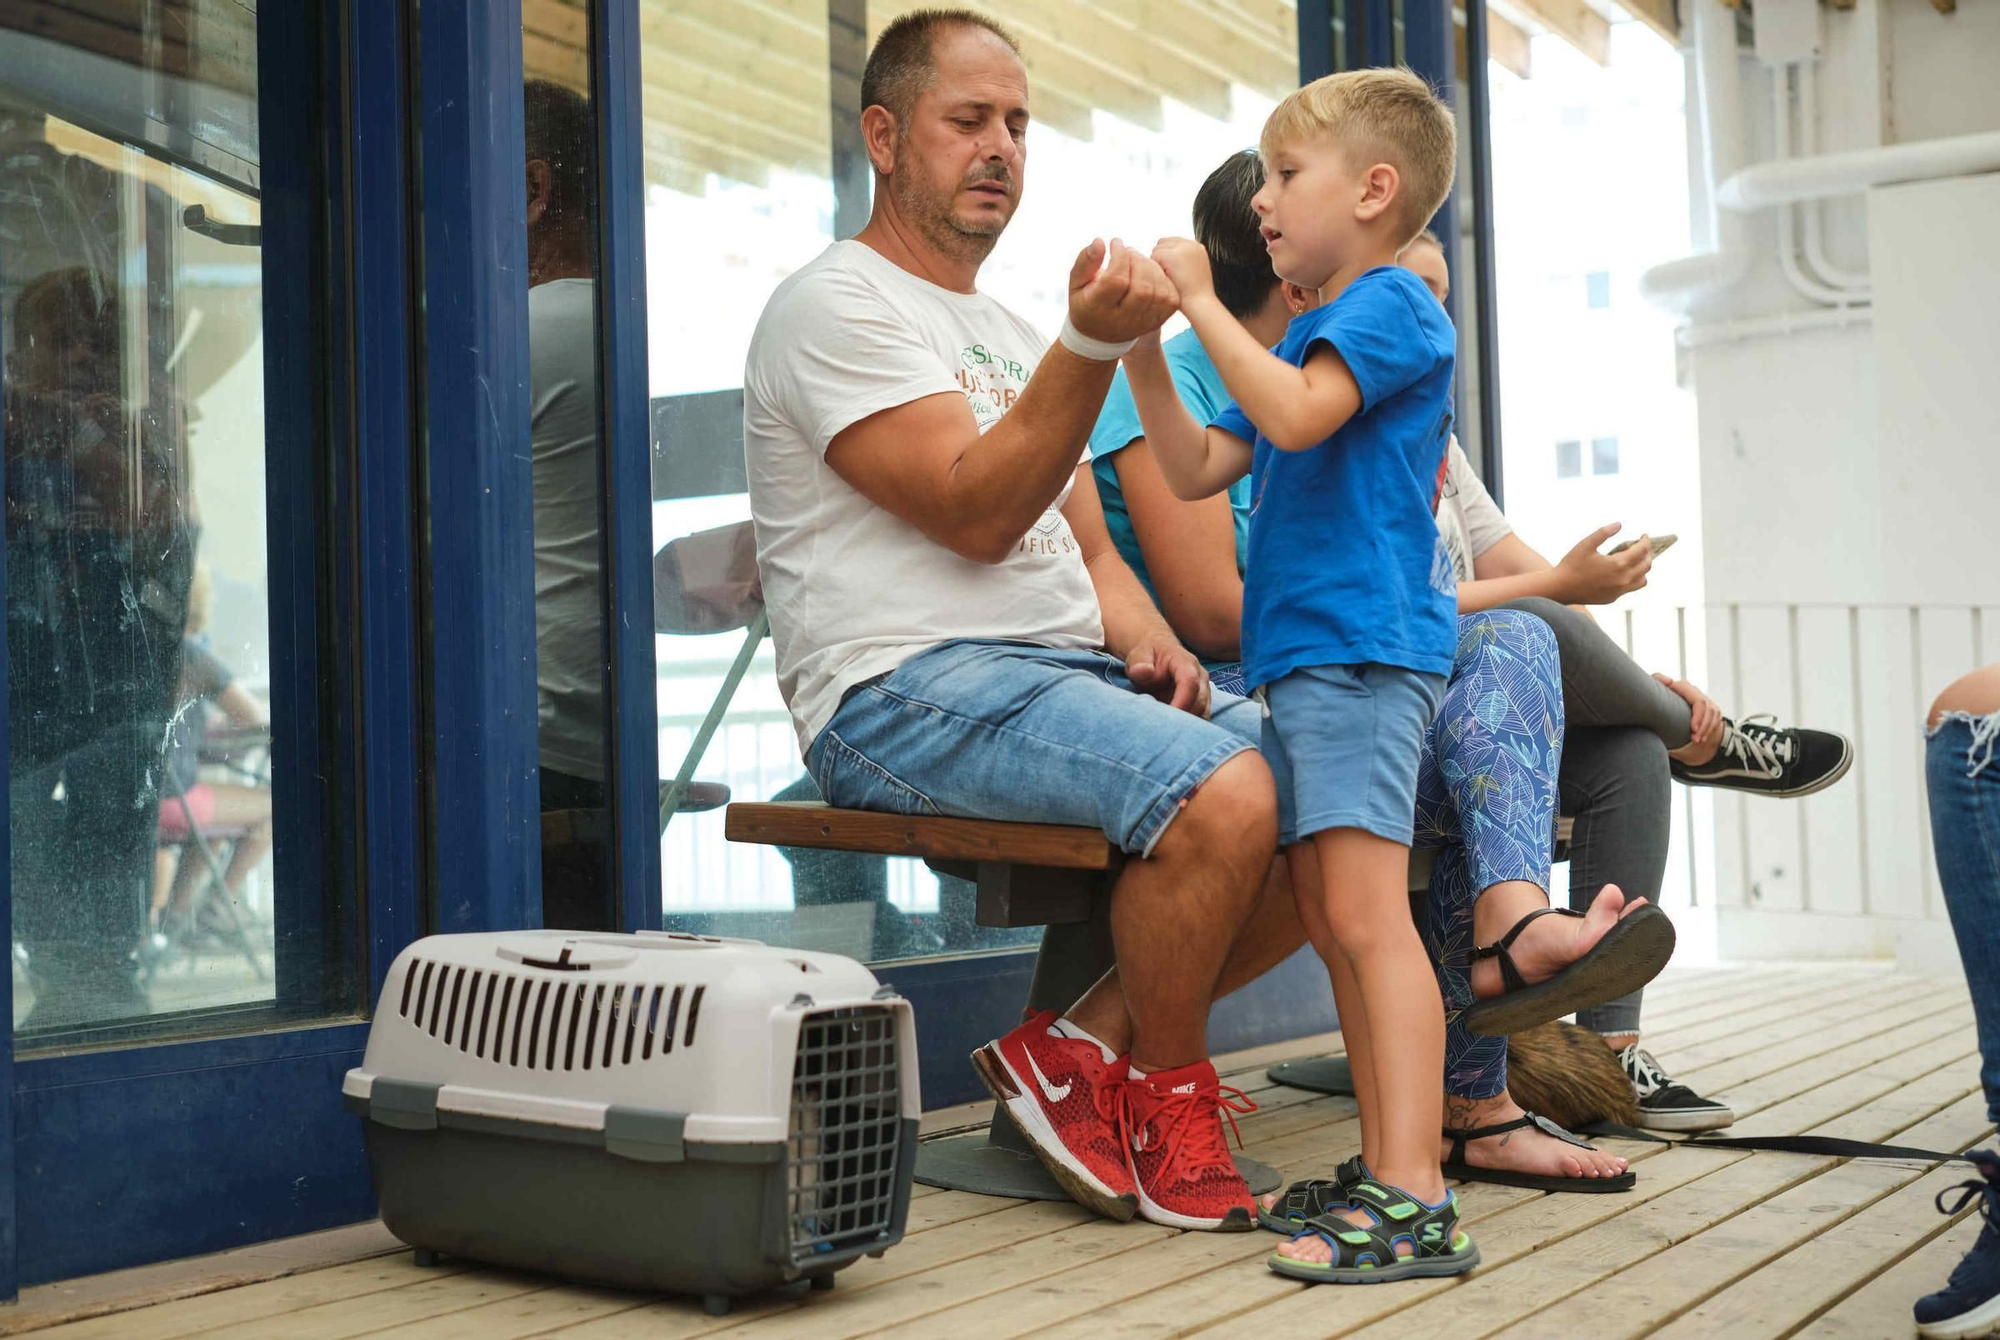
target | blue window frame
x=238, y=1138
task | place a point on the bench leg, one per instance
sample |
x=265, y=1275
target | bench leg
x=998, y=1161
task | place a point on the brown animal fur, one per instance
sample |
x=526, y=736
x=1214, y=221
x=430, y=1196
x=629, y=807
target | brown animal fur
x=1568, y=1075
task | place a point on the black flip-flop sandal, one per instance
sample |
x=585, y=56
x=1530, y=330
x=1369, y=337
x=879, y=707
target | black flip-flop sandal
x=1629, y=955
x=1457, y=1167
x=1311, y=1197
x=1368, y=1255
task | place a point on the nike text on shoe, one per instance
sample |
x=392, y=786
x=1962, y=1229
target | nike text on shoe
x=1764, y=759
x=1067, y=1100
x=1665, y=1105
x=1180, y=1159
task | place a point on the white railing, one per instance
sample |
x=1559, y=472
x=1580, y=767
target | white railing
x=1860, y=849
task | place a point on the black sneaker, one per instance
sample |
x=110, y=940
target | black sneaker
x=1969, y=1305
x=1761, y=757
x=1665, y=1105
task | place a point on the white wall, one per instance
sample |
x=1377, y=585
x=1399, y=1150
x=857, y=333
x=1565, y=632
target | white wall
x=1849, y=479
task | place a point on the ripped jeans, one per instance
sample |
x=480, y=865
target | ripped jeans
x=1962, y=774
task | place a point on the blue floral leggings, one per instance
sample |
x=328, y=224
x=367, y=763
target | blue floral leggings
x=1486, y=799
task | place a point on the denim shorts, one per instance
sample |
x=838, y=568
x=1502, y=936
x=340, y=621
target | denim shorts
x=1003, y=730
x=1343, y=742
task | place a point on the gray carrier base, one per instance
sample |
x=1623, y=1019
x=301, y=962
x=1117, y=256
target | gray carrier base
x=632, y=1205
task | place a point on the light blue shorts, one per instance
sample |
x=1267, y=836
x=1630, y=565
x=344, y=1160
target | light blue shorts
x=1343, y=742
x=1003, y=730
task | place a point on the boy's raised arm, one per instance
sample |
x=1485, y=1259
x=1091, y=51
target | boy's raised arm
x=1197, y=461
x=1296, y=408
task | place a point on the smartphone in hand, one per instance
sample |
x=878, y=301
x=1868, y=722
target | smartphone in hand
x=1659, y=544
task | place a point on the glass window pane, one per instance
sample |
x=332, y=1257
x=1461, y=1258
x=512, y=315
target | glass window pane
x=1604, y=455
x=138, y=651
x=571, y=660
x=1569, y=460
x=753, y=167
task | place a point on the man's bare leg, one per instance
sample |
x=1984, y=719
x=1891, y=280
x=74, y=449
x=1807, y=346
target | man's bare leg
x=1268, y=938
x=1176, y=915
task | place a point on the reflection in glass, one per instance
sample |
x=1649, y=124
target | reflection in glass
x=570, y=656
x=131, y=300
x=752, y=167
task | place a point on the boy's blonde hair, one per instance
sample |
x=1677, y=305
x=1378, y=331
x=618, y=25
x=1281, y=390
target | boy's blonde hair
x=1378, y=116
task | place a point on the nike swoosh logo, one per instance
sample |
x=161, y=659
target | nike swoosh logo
x=1050, y=1091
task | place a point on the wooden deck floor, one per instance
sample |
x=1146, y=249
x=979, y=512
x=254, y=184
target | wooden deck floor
x=1710, y=1243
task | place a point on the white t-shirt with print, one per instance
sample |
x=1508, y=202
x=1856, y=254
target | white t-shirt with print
x=853, y=591
x=1467, y=516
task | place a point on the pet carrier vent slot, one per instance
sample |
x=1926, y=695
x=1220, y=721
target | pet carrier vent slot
x=846, y=1131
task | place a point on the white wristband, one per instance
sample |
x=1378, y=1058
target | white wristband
x=1083, y=346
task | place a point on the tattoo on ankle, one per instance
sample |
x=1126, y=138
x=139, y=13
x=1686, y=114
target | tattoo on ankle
x=1458, y=1112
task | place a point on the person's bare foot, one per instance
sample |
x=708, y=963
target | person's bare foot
x=1550, y=944
x=1526, y=1150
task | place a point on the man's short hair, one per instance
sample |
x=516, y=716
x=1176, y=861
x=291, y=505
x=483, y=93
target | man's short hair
x=901, y=65
x=560, y=132
x=1425, y=236
x=1378, y=116
x=1228, y=228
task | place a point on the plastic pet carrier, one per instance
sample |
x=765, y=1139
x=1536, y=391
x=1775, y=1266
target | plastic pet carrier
x=657, y=1111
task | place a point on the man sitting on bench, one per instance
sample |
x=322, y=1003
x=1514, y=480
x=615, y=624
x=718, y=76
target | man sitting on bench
x=956, y=633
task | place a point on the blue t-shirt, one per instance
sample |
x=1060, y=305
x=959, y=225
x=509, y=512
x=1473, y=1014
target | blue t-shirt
x=1204, y=395
x=1346, y=562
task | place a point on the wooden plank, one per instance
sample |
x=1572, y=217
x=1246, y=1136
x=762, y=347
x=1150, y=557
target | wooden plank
x=809, y=824
x=1507, y=46
x=1825, y=1269
x=1658, y=15
x=1518, y=1232
x=1777, y=1024
x=1882, y=1306
x=1671, y=1282
x=1055, y=66
x=523, y=1315
x=1237, y=54
x=1921, y=1015
x=844, y=1312
x=1896, y=1048
x=1575, y=22
x=1090, y=36
x=1529, y=1289
x=340, y=1318
x=950, y=1207
x=259, y=1302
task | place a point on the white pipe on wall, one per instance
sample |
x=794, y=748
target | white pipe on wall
x=1806, y=286
x=1849, y=173
x=1817, y=259
x=1718, y=83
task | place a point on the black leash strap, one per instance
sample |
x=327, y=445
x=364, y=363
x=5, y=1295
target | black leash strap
x=1826, y=1146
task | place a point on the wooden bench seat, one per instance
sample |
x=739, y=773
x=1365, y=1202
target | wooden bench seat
x=1025, y=875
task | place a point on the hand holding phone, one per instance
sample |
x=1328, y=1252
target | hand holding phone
x=1659, y=544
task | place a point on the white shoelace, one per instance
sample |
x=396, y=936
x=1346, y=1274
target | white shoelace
x=1645, y=1071
x=1757, y=743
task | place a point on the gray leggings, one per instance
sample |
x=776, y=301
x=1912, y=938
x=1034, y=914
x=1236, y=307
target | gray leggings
x=1615, y=780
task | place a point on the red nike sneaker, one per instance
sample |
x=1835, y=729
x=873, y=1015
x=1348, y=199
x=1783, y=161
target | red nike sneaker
x=1180, y=1160
x=1066, y=1098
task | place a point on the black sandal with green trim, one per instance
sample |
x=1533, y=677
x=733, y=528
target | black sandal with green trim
x=1368, y=1255
x=1312, y=1197
x=1628, y=955
x=1457, y=1167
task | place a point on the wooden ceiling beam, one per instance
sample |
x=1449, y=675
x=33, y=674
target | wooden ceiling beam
x=1082, y=30
x=1659, y=15
x=1198, y=34
x=1574, y=21
x=765, y=137
x=1507, y=46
